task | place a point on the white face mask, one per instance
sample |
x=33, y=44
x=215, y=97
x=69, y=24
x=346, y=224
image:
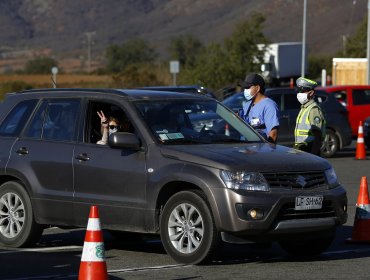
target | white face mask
x=112, y=130
x=247, y=94
x=302, y=97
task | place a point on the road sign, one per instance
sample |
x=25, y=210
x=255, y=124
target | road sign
x=174, y=66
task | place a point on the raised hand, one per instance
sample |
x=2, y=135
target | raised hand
x=103, y=119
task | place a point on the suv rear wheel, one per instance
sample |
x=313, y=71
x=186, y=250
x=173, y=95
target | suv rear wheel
x=188, y=232
x=17, y=224
x=330, y=145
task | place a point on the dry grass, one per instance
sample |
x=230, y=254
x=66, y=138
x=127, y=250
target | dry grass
x=63, y=80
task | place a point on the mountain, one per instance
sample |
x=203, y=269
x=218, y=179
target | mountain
x=64, y=28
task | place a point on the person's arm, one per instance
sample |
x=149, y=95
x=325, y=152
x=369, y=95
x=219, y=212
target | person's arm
x=271, y=120
x=316, y=144
x=273, y=134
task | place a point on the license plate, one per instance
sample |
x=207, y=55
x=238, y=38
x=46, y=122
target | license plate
x=308, y=202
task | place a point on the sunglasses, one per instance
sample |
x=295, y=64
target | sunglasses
x=303, y=89
x=113, y=126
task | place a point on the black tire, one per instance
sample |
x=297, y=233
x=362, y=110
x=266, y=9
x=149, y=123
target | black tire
x=367, y=142
x=307, y=247
x=17, y=223
x=197, y=242
x=330, y=145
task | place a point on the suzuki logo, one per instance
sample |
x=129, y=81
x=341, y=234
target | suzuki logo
x=301, y=181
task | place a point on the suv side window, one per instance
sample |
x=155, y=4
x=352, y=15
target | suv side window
x=341, y=96
x=361, y=97
x=94, y=131
x=55, y=120
x=17, y=118
x=291, y=102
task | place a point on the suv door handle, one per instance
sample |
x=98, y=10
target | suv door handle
x=82, y=157
x=22, y=151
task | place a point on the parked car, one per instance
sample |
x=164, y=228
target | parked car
x=366, y=127
x=162, y=175
x=355, y=98
x=182, y=88
x=338, y=130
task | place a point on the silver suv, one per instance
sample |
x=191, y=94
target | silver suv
x=161, y=173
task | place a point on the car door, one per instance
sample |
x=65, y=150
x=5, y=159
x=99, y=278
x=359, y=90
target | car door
x=43, y=155
x=285, y=99
x=113, y=179
x=290, y=109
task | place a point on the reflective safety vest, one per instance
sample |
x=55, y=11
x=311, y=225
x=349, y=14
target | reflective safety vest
x=303, y=132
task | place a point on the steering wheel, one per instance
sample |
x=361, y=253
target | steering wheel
x=206, y=132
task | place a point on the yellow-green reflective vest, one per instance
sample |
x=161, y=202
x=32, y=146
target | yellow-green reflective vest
x=303, y=133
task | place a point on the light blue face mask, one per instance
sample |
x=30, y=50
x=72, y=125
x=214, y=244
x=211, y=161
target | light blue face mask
x=247, y=94
x=112, y=130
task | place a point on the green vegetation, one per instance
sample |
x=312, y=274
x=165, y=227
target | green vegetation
x=215, y=65
x=13, y=87
x=134, y=52
x=40, y=65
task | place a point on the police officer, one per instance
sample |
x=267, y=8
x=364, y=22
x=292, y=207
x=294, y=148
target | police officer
x=310, y=123
x=260, y=111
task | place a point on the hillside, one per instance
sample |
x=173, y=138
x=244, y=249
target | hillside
x=59, y=28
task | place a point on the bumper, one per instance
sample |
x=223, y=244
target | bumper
x=279, y=219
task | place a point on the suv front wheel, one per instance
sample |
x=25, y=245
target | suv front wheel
x=188, y=232
x=17, y=224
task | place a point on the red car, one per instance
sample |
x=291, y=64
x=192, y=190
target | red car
x=355, y=98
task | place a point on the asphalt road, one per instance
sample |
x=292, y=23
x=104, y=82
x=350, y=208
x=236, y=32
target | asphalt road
x=58, y=254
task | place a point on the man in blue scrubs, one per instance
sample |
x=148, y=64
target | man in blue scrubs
x=260, y=111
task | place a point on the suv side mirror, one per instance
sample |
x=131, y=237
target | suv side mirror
x=124, y=140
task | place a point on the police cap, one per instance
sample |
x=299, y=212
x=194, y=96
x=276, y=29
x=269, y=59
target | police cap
x=305, y=84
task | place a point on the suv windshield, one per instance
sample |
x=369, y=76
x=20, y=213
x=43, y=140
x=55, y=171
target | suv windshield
x=194, y=121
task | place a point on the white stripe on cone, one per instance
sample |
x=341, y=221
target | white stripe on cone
x=360, y=130
x=360, y=140
x=93, y=252
x=93, y=224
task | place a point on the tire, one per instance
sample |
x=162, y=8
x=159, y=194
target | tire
x=188, y=231
x=309, y=247
x=330, y=145
x=17, y=223
x=367, y=142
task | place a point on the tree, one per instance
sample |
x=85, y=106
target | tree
x=357, y=44
x=135, y=51
x=220, y=65
x=185, y=49
x=40, y=65
x=242, y=47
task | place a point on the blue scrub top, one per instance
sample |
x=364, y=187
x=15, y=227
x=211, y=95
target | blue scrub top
x=263, y=116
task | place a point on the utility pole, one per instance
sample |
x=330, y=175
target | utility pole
x=304, y=38
x=89, y=44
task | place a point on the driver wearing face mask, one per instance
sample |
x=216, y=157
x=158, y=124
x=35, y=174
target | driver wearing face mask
x=260, y=111
x=109, y=126
x=310, y=124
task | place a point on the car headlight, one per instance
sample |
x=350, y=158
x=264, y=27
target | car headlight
x=240, y=180
x=331, y=178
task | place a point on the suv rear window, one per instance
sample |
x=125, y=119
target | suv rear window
x=361, y=97
x=16, y=119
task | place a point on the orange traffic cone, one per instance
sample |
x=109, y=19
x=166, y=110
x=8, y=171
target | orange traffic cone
x=360, y=147
x=361, y=226
x=93, y=264
x=291, y=83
